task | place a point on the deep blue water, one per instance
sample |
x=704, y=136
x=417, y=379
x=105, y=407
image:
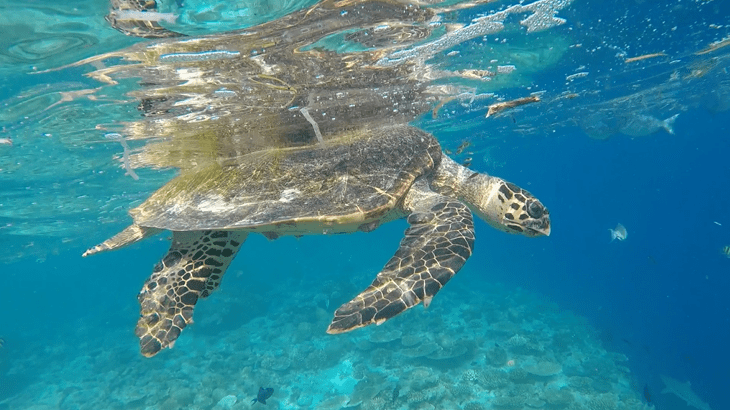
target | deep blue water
x=659, y=297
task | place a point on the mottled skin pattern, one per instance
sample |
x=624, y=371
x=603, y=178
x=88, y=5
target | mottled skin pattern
x=436, y=245
x=517, y=211
x=192, y=269
x=347, y=184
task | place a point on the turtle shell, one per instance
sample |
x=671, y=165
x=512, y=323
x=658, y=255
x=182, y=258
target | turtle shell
x=339, y=185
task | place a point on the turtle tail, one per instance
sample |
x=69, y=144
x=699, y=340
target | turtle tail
x=129, y=235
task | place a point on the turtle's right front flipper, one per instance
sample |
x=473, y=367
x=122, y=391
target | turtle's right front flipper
x=192, y=268
x=139, y=18
x=436, y=245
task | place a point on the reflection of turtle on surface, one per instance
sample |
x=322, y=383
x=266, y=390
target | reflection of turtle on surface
x=340, y=65
x=127, y=16
x=351, y=183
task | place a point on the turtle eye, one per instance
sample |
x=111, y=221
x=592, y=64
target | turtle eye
x=535, y=209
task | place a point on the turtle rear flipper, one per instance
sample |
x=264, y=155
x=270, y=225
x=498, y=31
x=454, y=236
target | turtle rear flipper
x=192, y=268
x=129, y=235
x=436, y=245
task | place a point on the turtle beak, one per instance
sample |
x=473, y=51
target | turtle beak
x=537, y=227
x=544, y=231
x=538, y=223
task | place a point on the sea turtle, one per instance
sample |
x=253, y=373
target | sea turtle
x=351, y=182
x=276, y=133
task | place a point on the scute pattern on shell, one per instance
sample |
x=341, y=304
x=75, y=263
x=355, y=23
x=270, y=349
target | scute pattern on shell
x=338, y=186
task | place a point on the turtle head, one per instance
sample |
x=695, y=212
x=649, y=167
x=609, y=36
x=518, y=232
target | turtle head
x=501, y=204
x=506, y=206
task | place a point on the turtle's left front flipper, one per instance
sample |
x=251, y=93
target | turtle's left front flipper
x=436, y=245
x=192, y=269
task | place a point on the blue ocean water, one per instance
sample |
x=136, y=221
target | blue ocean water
x=575, y=298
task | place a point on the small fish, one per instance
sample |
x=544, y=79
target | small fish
x=598, y=125
x=438, y=106
x=647, y=393
x=264, y=394
x=641, y=125
x=6, y=141
x=644, y=57
x=499, y=107
x=124, y=15
x=725, y=251
x=462, y=147
x=714, y=46
x=2, y=342
x=618, y=233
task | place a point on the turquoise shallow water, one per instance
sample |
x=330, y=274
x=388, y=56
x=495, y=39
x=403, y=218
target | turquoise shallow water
x=571, y=321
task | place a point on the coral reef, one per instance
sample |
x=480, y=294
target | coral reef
x=461, y=390
x=519, y=375
x=473, y=406
x=496, y=356
x=558, y=398
x=509, y=402
x=424, y=349
x=517, y=340
x=494, y=379
x=471, y=375
x=602, y=402
x=316, y=360
x=525, y=360
x=544, y=369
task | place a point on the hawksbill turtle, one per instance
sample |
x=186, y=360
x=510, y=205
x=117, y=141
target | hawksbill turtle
x=354, y=182
x=238, y=120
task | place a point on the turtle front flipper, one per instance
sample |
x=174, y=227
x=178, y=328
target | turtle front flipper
x=436, y=245
x=192, y=268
